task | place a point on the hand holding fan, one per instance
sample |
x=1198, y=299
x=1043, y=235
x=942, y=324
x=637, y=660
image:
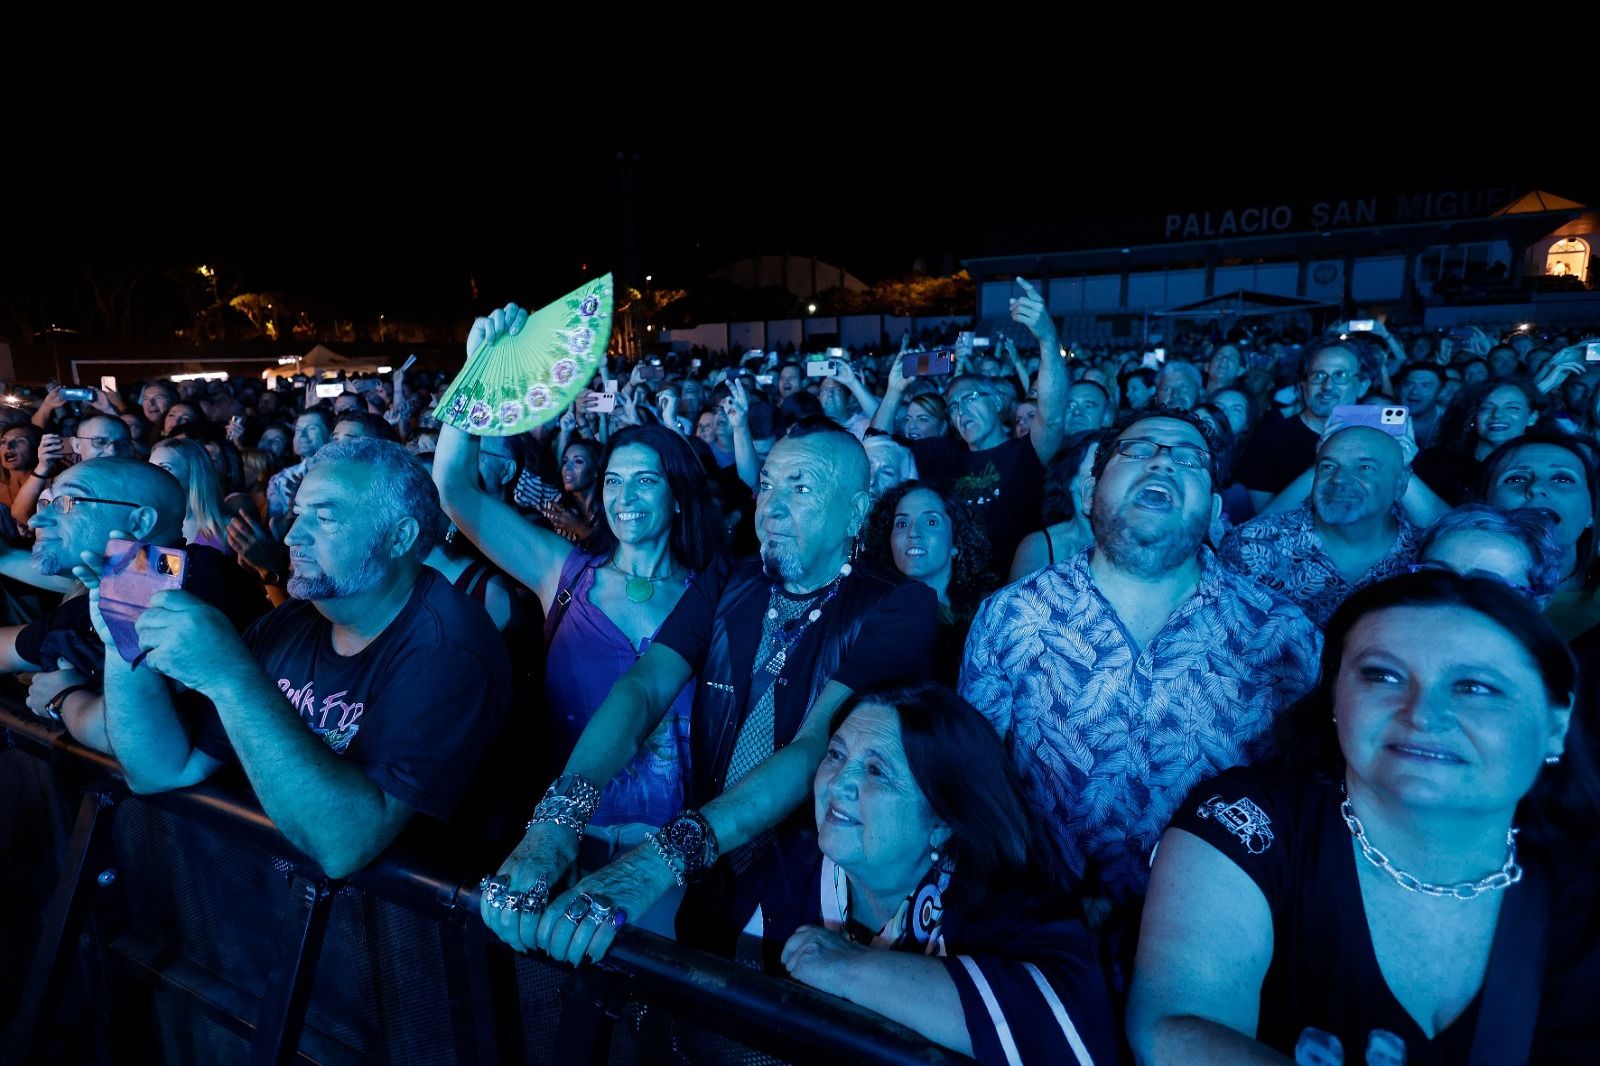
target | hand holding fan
x=513, y=383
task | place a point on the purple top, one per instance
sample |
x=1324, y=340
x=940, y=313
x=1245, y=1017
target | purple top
x=586, y=656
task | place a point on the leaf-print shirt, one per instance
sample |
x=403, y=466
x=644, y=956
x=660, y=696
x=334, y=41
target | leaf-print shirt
x=1284, y=553
x=1109, y=739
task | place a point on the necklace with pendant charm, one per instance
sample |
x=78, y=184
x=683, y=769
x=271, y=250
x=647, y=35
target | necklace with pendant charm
x=640, y=587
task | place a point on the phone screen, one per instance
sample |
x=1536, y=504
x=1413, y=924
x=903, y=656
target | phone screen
x=329, y=391
x=108, y=384
x=131, y=575
x=926, y=364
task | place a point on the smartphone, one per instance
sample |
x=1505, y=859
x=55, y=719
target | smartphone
x=1153, y=360
x=80, y=395
x=330, y=390
x=1361, y=325
x=1391, y=419
x=108, y=384
x=694, y=364
x=602, y=402
x=836, y=353
x=367, y=385
x=982, y=342
x=1592, y=352
x=765, y=380
x=131, y=575
x=927, y=364
x=822, y=366
x=651, y=372
x=611, y=386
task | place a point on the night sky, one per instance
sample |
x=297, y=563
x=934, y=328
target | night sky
x=405, y=229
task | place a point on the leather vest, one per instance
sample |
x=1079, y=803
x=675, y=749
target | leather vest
x=721, y=700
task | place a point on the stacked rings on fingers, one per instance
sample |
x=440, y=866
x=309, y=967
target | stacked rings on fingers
x=600, y=910
x=579, y=908
x=496, y=894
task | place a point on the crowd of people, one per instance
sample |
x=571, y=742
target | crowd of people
x=1230, y=702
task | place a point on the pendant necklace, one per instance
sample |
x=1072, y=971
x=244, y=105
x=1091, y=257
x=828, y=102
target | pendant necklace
x=789, y=632
x=640, y=587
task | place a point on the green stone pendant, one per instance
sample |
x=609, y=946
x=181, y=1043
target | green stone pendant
x=639, y=589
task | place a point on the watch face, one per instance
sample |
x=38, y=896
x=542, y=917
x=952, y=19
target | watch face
x=687, y=836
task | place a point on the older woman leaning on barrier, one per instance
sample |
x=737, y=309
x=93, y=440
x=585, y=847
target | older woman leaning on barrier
x=1371, y=894
x=931, y=900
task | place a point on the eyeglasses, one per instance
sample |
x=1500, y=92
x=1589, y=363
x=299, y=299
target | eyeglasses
x=1441, y=568
x=1185, y=455
x=968, y=398
x=98, y=442
x=64, y=504
x=1338, y=377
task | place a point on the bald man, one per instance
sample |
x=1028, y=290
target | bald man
x=776, y=650
x=79, y=512
x=1349, y=534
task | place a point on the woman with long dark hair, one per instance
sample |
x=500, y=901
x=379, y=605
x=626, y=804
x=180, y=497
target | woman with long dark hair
x=928, y=535
x=604, y=600
x=1559, y=474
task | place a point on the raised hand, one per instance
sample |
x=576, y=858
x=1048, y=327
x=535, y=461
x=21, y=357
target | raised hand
x=737, y=405
x=507, y=321
x=1029, y=310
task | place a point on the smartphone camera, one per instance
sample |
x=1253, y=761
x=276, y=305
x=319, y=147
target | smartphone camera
x=1393, y=416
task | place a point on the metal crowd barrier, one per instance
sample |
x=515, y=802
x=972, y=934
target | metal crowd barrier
x=184, y=928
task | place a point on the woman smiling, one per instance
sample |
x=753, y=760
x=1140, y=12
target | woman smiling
x=1369, y=896
x=932, y=901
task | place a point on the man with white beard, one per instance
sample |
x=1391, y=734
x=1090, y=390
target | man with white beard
x=1349, y=534
x=1122, y=677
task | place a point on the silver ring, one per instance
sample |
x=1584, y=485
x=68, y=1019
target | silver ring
x=600, y=910
x=495, y=894
x=535, y=899
x=578, y=909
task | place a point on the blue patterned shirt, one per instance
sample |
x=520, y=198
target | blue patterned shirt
x=1109, y=740
x=1284, y=553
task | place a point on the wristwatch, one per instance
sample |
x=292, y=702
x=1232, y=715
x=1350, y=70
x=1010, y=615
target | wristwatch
x=688, y=840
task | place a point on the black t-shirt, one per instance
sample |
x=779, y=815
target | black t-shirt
x=66, y=632
x=1280, y=450
x=895, y=643
x=415, y=708
x=1451, y=472
x=1323, y=988
x=1003, y=485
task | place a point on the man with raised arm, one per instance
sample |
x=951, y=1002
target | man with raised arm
x=998, y=474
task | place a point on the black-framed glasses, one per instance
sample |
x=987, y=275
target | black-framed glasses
x=1441, y=568
x=1186, y=455
x=64, y=503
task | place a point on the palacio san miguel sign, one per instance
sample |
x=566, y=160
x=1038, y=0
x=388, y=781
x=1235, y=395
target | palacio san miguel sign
x=1392, y=210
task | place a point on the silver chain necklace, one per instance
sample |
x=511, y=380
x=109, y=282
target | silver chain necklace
x=1505, y=877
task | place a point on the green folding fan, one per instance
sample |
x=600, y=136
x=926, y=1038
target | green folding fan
x=513, y=384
